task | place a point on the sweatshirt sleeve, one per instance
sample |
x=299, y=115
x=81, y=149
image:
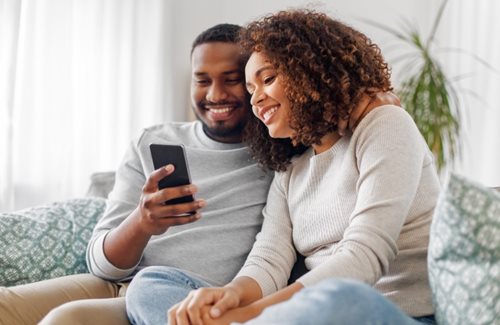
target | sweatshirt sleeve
x=390, y=156
x=273, y=255
x=122, y=200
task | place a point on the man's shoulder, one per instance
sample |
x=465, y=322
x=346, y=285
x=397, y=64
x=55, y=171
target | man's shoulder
x=176, y=132
x=168, y=127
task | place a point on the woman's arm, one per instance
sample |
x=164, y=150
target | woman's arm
x=253, y=310
x=239, y=301
x=240, y=292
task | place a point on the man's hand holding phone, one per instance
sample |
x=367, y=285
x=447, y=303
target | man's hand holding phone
x=157, y=215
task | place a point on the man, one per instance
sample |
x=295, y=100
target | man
x=138, y=230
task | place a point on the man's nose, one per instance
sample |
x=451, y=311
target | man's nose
x=216, y=93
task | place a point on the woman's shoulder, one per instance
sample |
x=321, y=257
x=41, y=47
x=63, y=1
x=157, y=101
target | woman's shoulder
x=386, y=112
x=388, y=119
x=388, y=128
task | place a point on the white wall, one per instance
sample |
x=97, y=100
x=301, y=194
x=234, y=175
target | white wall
x=481, y=153
x=190, y=17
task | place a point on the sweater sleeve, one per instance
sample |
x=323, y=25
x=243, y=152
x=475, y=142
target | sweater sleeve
x=389, y=156
x=273, y=255
x=122, y=200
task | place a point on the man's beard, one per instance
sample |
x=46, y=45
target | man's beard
x=221, y=131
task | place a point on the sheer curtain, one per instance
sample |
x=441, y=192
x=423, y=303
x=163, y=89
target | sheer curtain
x=473, y=26
x=78, y=80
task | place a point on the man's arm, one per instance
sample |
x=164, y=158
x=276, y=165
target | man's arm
x=123, y=246
x=134, y=213
x=366, y=105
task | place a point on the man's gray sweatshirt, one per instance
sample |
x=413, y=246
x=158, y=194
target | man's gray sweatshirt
x=214, y=247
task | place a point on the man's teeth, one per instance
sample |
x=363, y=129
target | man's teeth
x=220, y=110
x=267, y=114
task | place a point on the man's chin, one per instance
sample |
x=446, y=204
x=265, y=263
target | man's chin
x=220, y=130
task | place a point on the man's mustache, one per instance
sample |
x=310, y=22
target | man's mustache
x=205, y=103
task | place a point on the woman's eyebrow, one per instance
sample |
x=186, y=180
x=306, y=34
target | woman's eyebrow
x=258, y=73
x=266, y=67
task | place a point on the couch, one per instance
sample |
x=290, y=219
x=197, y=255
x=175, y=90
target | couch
x=464, y=250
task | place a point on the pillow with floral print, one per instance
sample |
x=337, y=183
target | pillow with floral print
x=464, y=254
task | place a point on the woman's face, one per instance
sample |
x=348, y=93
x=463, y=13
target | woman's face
x=269, y=102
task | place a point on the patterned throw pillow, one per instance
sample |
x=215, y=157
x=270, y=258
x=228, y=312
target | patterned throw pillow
x=46, y=241
x=464, y=254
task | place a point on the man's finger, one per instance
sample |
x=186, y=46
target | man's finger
x=178, y=221
x=170, y=193
x=156, y=176
x=343, y=124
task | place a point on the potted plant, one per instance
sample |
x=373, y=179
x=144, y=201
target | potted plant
x=428, y=95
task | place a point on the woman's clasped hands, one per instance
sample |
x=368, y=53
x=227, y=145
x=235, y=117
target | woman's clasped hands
x=206, y=306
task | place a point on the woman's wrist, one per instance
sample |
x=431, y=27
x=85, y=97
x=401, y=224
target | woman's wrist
x=246, y=289
x=253, y=310
x=243, y=314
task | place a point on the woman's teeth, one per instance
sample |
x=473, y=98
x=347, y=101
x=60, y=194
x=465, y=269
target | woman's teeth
x=267, y=114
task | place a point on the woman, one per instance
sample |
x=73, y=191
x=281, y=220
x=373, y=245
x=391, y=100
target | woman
x=357, y=207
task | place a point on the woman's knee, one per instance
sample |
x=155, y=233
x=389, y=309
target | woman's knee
x=332, y=289
x=353, y=302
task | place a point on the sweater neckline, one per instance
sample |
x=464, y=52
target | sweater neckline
x=209, y=142
x=332, y=151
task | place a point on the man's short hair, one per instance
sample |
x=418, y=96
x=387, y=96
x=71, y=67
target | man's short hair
x=227, y=33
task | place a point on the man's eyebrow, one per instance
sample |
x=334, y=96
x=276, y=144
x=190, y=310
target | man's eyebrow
x=235, y=71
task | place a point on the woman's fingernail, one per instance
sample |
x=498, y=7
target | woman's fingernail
x=169, y=168
x=215, y=312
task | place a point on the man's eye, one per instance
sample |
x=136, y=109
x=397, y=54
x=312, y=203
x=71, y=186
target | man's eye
x=233, y=81
x=202, y=82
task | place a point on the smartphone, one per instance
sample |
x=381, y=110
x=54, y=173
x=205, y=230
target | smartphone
x=163, y=155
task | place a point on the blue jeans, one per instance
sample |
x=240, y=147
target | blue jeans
x=154, y=290
x=337, y=301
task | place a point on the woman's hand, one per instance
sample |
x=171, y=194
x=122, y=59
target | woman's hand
x=203, y=305
x=236, y=315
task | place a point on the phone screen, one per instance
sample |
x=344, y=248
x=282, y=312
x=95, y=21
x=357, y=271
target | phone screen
x=163, y=155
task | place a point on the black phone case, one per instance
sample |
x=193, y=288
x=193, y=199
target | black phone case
x=163, y=155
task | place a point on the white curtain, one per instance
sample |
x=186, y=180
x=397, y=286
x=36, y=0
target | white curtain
x=78, y=80
x=474, y=27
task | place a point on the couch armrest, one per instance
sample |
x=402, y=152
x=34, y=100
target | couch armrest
x=101, y=184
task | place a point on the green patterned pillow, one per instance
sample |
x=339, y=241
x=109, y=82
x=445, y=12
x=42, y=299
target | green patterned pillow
x=46, y=241
x=464, y=254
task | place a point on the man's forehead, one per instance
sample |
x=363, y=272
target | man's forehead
x=217, y=56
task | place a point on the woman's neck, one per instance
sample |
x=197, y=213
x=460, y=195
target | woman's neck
x=327, y=142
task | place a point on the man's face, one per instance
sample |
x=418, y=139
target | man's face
x=218, y=93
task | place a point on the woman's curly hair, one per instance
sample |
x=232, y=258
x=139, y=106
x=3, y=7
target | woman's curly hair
x=325, y=66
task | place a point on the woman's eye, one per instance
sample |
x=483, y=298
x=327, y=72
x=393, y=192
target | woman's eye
x=269, y=80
